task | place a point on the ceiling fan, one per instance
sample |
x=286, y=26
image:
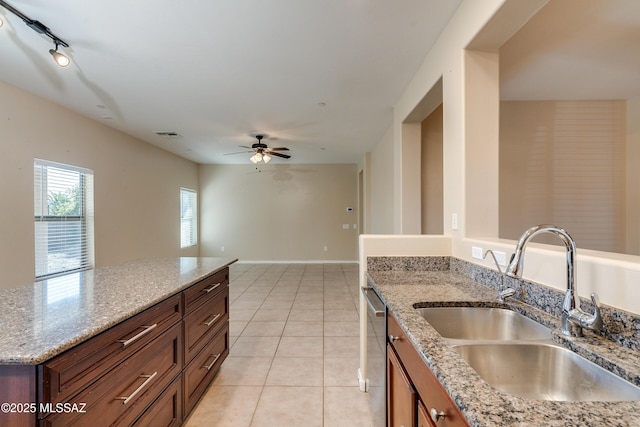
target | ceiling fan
x=263, y=153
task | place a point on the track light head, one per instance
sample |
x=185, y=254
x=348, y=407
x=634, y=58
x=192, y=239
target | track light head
x=37, y=26
x=61, y=60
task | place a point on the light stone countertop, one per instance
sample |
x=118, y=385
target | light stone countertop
x=42, y=320
x=481, y=404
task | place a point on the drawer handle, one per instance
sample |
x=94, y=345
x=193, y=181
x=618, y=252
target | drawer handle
x=435, y=415
x=211, y=288
x=210, y=365
x=138, y=336
x=392, y=338
x=212, y=321
x=149, y=378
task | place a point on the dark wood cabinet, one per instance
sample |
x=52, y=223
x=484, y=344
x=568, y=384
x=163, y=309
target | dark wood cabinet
x=429, y=392
x=122, y=395
x=202, y=323
x=402, y=395
x=206, y=332
x=82, y=365
x=148, y=370
x=167, y=409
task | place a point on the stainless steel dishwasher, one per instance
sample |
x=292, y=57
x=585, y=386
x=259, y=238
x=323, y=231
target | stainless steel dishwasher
x=376, y=355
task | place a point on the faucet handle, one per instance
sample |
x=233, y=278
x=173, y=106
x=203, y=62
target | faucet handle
x=595, y=323
x=596, y=305
x=596, y=301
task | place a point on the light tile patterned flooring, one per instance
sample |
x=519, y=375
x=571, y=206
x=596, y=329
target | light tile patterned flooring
x=294, y=350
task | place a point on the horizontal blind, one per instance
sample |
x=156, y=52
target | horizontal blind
x=563, y=162
x=62, y=197
x=188, y=218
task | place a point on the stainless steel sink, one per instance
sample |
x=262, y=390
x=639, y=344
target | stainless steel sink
x=544, y=372
x=480, y=323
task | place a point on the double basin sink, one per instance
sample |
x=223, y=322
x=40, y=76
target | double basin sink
x=516, y=355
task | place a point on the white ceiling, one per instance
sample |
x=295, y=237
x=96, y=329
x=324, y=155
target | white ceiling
x=215, y=71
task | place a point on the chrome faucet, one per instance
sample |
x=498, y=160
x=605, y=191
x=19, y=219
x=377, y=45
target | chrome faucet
x=573, y=318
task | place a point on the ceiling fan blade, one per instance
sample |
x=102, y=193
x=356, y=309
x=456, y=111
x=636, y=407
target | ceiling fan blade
x=244, y=146
x=284, y=156
x=279, y=149
x=239, y=152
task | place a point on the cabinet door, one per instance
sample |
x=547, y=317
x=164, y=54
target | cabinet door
x=402, y=396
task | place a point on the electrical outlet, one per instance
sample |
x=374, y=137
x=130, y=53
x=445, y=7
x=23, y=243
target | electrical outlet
x=501, y=257
x=221, y=248
x=454, y=221
x=325, y=249
x=476, y=252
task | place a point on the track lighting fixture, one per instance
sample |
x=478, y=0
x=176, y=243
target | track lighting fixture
x=60, y=59
x=37, y=26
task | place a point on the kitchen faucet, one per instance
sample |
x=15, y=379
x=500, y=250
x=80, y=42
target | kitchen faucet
x=573, y=318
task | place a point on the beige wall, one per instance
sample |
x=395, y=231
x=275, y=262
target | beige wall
x=381, y=188
x=431, y=188
x=285, y=212
x=136, y=186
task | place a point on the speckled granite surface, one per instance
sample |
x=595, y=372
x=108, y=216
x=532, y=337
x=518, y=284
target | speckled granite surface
x=481, y=404
x=42, y=320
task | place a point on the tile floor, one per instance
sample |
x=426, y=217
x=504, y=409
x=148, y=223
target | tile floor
x=294, y=350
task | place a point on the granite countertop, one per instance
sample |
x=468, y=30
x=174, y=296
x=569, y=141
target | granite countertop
x=481, y=404
x=42, y=320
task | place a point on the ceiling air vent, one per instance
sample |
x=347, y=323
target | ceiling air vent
x=168, y=134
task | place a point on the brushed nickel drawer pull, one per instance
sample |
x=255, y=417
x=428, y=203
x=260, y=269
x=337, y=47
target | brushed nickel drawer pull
x=436, y=415
x=138, y=336
x=211, y=288
x=210, y=365
x=212, y=321
x=149, y=378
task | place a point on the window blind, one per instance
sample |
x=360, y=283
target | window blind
x=188, y=218
x=63, y=202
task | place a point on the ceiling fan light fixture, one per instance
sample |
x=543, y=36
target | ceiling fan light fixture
x=255, y=158
x=266, y=158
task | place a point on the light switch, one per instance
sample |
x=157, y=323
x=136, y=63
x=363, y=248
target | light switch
x=345, y=226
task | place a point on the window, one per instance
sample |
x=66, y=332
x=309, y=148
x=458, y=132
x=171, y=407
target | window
x=188, y=218
x=63, y=201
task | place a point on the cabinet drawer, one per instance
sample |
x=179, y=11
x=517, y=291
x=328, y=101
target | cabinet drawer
x=429, y=388
x=122, y=395
x=202, y=324
x=424, y=419
x=167, y=410
x=67, y=374
x=205, y=289
x=402, y=396
x=199, y=373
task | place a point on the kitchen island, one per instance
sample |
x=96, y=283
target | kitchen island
x=70, y=342
x=404, y=283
